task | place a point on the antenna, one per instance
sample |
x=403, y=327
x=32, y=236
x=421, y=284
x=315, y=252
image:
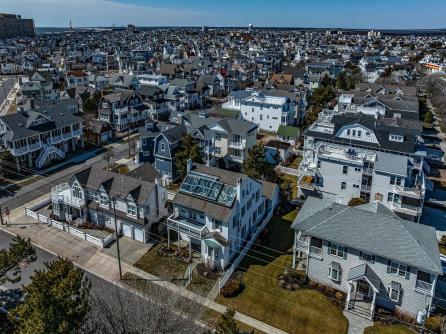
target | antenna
x=71, y=27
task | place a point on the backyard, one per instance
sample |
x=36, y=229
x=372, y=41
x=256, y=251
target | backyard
x=301, y=311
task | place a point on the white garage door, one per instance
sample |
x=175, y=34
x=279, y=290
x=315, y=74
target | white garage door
x=127, y=230
x=139, y=235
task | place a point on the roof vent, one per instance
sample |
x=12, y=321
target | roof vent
x=61, y=114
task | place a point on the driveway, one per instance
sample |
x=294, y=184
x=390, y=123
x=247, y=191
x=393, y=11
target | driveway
x=130, y=250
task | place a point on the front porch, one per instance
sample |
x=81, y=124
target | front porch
x=363, y=287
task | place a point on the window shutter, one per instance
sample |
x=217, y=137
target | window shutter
x=360, y=255
x=408, y=272
x=329, y=244
x=345, y=252
x=388, y=266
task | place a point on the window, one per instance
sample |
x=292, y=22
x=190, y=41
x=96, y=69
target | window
x=395, y=180
x=348, y=132
x=104, y=199
x=163, y=147
x=367, y=133
x=395, y=291
x=395, y=198
x=337, y=250
x=217, y=224
x=261, y=117
x=359, y=133
x=354, y=132
x=366, y=257
x=357, y=169
x=319, y=163
x=344, y=169
x=335, y=271
x=77, y=192
x=356, y=186
x=131, y=209
x=343, y=185
x=401, y=270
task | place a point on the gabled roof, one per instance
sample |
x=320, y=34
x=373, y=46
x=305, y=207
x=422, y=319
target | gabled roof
x=371, y=229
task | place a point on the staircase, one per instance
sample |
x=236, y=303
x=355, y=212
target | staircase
x=47, y=150
x=359, y=309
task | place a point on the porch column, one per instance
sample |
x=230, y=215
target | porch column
x=372, y=308
x=347, y=302
x=294, y=251
x=168, y=237
x=190, y=247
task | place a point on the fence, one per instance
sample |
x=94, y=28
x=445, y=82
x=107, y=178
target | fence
x=228, y=273
x=100, y=242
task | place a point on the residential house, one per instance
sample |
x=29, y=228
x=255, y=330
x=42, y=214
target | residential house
x=123, y=109
x=355, y=155
x=41, y=135
x=377, y=258
x=216, y=212
x=111, y=200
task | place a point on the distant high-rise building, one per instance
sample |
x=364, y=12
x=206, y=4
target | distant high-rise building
x=250, y=28
x=12, y=25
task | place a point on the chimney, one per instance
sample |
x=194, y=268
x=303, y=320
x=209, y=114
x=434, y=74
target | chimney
x=189, y=165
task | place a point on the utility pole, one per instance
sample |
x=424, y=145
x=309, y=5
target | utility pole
x=1, y=216
x=117, y=238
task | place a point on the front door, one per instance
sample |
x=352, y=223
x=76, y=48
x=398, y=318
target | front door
x=363, y=289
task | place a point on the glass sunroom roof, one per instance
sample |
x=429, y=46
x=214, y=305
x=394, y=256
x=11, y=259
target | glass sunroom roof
x=208, y=187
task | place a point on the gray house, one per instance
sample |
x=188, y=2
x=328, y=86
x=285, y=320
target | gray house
x=369, y=253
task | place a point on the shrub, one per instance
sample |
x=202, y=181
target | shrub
x=434, y=324
x=355, y=201
x=232, y=288
x=428, y=117
x=443, y=241
x=339, y=296
x=329, y=290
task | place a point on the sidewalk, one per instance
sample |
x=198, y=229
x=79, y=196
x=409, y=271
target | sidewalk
x=96, y=261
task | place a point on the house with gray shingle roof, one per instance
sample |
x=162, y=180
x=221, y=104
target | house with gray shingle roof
x=41, y=133
x=94, y=195
x=368, y=252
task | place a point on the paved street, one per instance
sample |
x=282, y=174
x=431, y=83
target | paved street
x=28, y=193
x=6, y=86
x=103, y=265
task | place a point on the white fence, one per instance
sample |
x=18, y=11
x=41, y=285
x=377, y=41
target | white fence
x=100, y=242
x=228, y=273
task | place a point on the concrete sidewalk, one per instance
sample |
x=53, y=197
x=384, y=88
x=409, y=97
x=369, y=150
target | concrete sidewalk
x=98, y=262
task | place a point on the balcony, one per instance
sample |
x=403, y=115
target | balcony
x=56, y=139
x=236, y=158
x=315, y=250
x=365, y=187
x=237, y=145
x=20, y=150
x=367, y=171
x=416, y=192
x=77, y=133
x=35, y=146
x=408, y=209
x=62, y=194
x=302, y=246
x=190, y=228
x=423, y=286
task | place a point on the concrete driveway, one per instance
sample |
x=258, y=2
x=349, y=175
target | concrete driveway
x=130, y=250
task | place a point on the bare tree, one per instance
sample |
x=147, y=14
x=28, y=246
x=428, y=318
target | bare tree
x=156, y=310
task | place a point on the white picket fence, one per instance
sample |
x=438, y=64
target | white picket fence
x=228, y=273
x=100, y=242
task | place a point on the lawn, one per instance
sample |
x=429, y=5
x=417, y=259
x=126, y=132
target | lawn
x=201, y=285
x=166, y=267
x=300, y=311
x=296, y=162
x=389, y=329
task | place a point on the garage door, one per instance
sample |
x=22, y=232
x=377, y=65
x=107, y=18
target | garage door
x=139, y=235
x=127, y=230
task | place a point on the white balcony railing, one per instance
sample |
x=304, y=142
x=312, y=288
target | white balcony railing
x=237, y=145
x=187, y=227
x=405, y=208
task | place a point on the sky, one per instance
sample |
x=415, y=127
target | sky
x=368, y=14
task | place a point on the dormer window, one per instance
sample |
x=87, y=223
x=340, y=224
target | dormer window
x=77, y=192
x=131, y=209
x=104, y=199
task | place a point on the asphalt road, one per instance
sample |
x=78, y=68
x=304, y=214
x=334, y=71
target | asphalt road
x=43, y=186
x=10, y=293
x=6, y=86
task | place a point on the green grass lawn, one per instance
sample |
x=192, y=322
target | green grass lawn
x=389, y=329
x=302, y=311
x=166, y=267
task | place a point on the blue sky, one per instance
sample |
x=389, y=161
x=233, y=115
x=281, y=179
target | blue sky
x=391, y=14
